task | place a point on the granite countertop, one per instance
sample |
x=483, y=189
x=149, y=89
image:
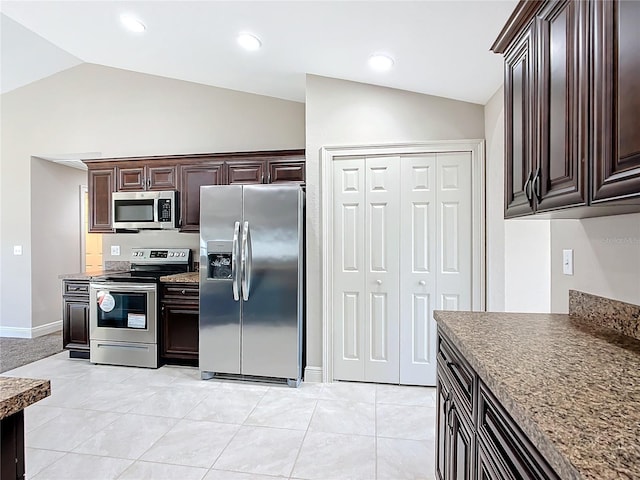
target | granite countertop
x=82, y=275
x=187, y=277
x=571, y=384
x=18, y=393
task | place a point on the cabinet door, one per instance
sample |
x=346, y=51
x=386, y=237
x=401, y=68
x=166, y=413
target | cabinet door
x=486, y=470
x=442, y=444
x=616, y=100
x=181, y=332
x=101, y=185
x=161, y=178
x=285, y=171
x=192, y=177
x=75, y=326
x=561, y=175
x=461, y=446
x=246, y=173
x=131, y=179
x=519, y=125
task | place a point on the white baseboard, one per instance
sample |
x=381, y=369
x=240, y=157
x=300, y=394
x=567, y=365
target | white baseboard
x=21, y=332
x=313, y=374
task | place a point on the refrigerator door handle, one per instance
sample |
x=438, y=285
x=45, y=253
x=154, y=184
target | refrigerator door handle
x=246, y=261
x=235, y=258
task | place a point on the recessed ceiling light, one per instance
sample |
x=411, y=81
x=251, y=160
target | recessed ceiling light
x=132, y=24
x=249, y=41
x=380, y=62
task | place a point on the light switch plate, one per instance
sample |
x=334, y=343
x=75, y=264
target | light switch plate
x=115, y=250
x=17, y=249
x=567, y=262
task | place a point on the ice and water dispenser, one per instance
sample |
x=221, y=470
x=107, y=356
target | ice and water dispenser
x=219, y=260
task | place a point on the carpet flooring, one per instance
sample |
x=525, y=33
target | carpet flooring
x=15, y=352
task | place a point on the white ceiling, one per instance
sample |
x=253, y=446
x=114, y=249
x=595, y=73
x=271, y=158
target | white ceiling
x=440, y=47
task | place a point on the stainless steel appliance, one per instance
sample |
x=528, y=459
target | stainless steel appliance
x=251, y=281
x=145, y=210
x=123, y=308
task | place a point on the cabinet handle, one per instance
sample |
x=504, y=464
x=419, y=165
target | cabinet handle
x=268, y=177
x=262, y=178
x=183, y=292
x=148, y=182
x=527, y=187
x=451, y=410
x=535, y=185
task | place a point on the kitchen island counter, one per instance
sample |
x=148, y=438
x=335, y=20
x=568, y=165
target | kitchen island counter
x=15, y=395
x=571, y=383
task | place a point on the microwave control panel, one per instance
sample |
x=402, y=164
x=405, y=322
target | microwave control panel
x=164, y=210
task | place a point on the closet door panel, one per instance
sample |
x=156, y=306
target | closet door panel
x=382, y=244
x=349, y=269
x=453, y=215
x=417, y=269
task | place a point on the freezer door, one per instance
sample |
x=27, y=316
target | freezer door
x=271, y=278
x=220, y=327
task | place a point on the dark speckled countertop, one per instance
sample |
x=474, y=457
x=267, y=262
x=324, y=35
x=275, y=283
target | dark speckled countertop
x=187, y=277
x=570, y=383
x=18, y=393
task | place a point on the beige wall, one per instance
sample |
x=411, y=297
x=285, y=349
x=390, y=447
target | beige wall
x=494, y=133
x=606, y=258
x=340, y=113
x=55, y=239
x=91, y=108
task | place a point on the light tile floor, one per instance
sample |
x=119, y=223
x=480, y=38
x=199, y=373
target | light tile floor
x=109, y=422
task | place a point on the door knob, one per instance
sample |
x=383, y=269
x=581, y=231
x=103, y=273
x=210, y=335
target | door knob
x=379, y=282
x=422, y=282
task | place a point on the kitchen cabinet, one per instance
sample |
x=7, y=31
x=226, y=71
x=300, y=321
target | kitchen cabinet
x=192, y=177
x=101, y=186
x=615, y=141
x=562, y=130
x=180, y=323
x=75, y=317
x=285, y=171
x=146, y=177
x=186, y=174
x=476, y=437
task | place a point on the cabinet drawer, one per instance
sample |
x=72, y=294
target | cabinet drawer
x=508, y=446
x=75, y=288
x=461, y=375
x=181, y=293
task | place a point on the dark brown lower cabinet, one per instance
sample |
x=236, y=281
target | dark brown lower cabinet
x=180, y=323
x=75, y=317
x=486, y=443
x=454, y=449
x=12, y=447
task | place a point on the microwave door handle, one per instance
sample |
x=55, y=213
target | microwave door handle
x=235, y=259
x=246, y=261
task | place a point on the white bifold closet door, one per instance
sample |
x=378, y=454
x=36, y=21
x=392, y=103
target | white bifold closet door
x=402, y=247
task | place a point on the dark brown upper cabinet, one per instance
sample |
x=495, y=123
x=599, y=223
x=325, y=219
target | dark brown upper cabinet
x=246, y=172
x=186, y=174
x=615, y=135
x=192, y=177
x=146, y=177
x=568, y=141
x=519, y=134
x=102, y=182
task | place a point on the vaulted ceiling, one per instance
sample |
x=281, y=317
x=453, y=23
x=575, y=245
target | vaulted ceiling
x=439, y=47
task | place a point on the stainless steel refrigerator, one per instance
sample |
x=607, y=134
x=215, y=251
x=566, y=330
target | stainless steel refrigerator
x=251, y=281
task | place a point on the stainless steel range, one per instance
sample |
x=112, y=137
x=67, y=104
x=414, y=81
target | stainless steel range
x=123, y=311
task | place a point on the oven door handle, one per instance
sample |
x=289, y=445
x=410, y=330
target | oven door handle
x=235, y=259
x=123, y=287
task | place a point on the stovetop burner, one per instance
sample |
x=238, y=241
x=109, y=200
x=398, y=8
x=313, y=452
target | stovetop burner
x=149, y=264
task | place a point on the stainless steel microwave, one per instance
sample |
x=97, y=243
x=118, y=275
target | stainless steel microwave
x=145, y=210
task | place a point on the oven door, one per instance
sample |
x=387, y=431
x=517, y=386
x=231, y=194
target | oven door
x=123, y=312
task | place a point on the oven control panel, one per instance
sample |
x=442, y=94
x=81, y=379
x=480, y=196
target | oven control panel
x=161, y=255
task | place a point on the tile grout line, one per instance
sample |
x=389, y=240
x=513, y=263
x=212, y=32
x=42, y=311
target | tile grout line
x=304, y=437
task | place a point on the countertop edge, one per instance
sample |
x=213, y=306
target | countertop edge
x=557, y=460
x=31, y=391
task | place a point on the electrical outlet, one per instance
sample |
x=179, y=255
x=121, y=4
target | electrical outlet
x=115, y=250
x=17, y=249
x=567, y=262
